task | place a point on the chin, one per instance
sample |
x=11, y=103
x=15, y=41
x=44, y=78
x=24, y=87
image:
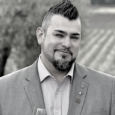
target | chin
x=62, y=64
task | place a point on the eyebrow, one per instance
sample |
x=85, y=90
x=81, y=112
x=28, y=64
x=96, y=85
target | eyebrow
x=61, y=31
x=74, y=34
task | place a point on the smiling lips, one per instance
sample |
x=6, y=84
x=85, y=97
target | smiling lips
x=64, y=51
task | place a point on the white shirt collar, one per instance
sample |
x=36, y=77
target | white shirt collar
x=44, y=73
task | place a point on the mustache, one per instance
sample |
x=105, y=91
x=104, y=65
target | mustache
x=64, y=50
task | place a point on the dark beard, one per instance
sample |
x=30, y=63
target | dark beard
x=59, y=64
x=63, y=66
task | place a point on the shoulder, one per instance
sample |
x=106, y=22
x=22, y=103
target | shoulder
x=11, y=84
x=94, y=74
x=19, y=75
x=97, y=80
x=17, y=78
x=13, y=77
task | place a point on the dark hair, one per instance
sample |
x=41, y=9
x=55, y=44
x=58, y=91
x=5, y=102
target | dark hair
x=64, y=8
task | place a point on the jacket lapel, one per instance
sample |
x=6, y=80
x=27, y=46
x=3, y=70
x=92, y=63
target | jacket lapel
x=79, y=90
x=33, y=88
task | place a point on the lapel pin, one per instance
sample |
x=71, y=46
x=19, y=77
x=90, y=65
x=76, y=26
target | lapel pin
x=78, y=100
x=82, y=85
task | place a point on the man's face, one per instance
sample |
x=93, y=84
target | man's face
x=61, y=43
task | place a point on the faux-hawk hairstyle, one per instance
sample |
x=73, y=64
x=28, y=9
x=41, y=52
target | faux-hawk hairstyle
x=64, y=8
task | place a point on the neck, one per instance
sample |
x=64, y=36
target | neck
x=53, y=71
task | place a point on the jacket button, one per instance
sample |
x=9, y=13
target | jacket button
x=80, y=93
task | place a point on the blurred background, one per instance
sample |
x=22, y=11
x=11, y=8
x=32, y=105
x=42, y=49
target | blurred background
x=19, y=20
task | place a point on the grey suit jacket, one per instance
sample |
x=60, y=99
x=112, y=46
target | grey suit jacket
x=92, y=92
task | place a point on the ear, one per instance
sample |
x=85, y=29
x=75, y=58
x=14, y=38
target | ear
x=40, y=35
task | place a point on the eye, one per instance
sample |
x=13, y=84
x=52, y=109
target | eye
x=59, y=35
x=74, y=37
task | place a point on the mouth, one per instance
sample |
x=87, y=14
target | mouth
x=64, y=51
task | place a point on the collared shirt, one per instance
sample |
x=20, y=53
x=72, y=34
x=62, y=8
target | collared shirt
x=56, y=95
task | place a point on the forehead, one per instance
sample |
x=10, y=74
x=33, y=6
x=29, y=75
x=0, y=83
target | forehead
x=59, y=22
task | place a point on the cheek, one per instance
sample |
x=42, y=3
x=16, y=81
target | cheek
x=49, y=47
x=76, y=50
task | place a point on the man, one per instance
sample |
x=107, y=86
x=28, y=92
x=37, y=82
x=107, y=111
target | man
x=56, y=83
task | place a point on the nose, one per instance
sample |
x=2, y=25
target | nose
x=66, y=42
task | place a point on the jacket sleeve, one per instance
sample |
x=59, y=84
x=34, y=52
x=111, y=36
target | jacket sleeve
x=113, y=99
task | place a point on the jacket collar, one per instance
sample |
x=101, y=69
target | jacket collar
x=78, y=92
x=44, y=73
